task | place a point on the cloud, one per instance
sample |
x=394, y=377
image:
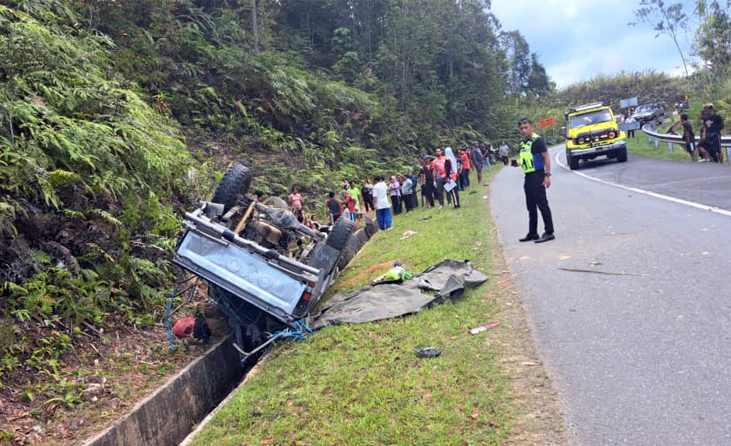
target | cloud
x=578, y=40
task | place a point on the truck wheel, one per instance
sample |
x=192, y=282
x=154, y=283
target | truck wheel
x=235, y=181
x=276, y=202
x=340, y=233
x=621, y=155
x=572, y=160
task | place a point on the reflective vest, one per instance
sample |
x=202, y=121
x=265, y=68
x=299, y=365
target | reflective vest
x=526, y=155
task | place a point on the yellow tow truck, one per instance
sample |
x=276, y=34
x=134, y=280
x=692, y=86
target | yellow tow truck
x=591, y=131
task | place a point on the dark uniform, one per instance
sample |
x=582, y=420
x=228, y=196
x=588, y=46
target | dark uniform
x=711, y=136
x=533, y=165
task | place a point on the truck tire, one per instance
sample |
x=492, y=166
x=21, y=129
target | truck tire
x=276, y=202
x=235, y=181
x=572, y=160
x=621, y=155
x=340, y=233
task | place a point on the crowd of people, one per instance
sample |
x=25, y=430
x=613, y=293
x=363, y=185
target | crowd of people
x=440, y=178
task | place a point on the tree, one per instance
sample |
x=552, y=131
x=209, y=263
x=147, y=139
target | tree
x=668, y=19
x=713, y=39
x=255, y=25
x=518, y=56
x=539, y=83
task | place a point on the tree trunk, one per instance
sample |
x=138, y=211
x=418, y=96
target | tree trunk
x=675, y=40
x=255, y=25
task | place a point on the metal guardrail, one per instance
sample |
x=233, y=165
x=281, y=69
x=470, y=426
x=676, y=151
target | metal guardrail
x=677, y=139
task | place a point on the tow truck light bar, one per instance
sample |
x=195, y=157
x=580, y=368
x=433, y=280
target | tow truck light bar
x=587, y=107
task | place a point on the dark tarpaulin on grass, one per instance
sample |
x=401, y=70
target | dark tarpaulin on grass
x=444, y=281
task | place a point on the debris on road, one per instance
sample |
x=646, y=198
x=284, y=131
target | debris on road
x=482, y=328
x=407, y=234
x=427, y=352
x=579, y=270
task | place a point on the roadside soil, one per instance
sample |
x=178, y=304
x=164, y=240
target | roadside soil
x=101, y=378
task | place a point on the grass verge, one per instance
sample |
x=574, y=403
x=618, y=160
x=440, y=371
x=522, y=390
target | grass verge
x=639, y=145
x=362, y=384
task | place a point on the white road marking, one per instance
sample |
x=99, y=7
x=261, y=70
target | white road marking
x=704, y=207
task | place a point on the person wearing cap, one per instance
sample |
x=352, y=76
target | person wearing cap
x=711, y=126
x=536, y=165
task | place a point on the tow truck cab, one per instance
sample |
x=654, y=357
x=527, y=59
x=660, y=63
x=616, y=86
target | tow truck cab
x=592, y=131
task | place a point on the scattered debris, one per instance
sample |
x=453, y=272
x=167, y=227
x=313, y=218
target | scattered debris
x=427, y=352
x=368, y=271
x=595, y=263
x=440, y=283
x=407, y=234
x=397, y=274
x=192, y=326
x=482, y=328
x=579, y=270
x=92, y=391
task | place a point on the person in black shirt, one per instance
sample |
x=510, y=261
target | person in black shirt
x=427, y=186
x=711, y=126
x=536, y=165
x=333, y=205
x=689, y=137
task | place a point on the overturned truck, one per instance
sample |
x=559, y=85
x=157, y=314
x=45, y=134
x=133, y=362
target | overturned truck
x=263, y=268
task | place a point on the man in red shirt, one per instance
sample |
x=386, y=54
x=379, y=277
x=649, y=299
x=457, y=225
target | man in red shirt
x=440, y=174
x=465, y=179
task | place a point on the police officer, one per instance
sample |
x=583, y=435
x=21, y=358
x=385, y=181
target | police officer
x=536, y=164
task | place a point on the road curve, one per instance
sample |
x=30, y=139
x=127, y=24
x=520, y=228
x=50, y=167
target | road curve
x=641, y=355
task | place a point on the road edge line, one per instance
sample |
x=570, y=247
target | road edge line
x=704, y=207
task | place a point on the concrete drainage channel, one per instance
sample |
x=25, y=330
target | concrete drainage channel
x=167, y=416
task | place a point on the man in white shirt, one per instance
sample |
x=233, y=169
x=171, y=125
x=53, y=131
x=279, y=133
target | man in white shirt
x=407, y=191
x=381, y=204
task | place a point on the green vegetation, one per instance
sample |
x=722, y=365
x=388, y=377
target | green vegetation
x=365, y=379
x=117, y=116
x=640, y=146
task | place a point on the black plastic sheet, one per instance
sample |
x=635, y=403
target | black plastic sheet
x=445, y=281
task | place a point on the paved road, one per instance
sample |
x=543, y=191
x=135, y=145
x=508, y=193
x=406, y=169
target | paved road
x=703, y=183
x=642, y=358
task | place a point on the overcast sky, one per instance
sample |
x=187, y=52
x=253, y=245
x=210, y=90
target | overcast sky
x=579, y=39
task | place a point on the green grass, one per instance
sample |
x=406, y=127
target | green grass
x=362, y=384
x=640, y=146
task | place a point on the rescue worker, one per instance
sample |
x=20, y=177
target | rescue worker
x=536, y=164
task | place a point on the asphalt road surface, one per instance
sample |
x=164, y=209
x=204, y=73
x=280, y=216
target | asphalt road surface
x=640, y=355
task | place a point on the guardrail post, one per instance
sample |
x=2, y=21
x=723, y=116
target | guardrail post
x=670, y=147
x=657, y=143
